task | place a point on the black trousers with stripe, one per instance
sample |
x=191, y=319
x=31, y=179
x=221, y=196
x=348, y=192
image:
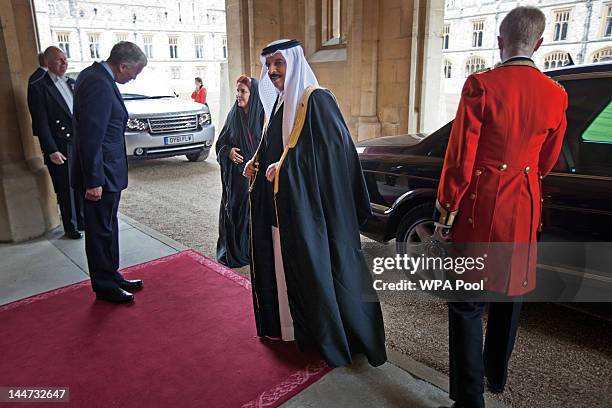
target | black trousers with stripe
x=469, y=363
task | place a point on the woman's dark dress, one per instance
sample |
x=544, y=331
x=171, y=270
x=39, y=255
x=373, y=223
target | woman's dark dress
x=242, y=130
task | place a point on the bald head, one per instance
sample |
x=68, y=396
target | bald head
x=56, y=61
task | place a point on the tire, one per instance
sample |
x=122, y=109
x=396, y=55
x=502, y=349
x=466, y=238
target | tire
x=409, y=229
x=413, y=238
x=198, y=157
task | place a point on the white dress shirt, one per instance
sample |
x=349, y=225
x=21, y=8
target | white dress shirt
x=63, y=88
x=281, y=99
x=108, y=69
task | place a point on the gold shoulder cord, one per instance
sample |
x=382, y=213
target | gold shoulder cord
x=298, y=125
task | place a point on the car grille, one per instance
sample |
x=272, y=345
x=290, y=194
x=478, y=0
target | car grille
x=173, y=123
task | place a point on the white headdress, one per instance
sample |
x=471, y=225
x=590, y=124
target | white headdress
x=298, y=77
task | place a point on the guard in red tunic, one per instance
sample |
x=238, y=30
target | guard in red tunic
x=506, y=137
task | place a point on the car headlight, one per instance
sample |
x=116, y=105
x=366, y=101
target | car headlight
x=204, y=119
x=137, y=125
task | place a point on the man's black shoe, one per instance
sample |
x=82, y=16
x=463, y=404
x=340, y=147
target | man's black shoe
x=73, y=235
x=116, y=295
x=130, y=285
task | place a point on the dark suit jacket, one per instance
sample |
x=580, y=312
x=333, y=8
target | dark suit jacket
x=36, y=75
x=51, y=117
x=100, y=118
x=33, y=79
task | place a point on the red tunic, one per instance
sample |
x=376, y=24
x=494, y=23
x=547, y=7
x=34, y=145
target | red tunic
x=506, y=137
x=199, y=95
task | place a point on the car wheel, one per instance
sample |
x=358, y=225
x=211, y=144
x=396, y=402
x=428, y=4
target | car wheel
x=413, y=236
x=414, y=228
x=198, y=157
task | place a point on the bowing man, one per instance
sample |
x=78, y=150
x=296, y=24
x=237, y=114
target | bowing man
x=100, y=165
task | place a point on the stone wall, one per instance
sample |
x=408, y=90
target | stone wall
x=386, y=73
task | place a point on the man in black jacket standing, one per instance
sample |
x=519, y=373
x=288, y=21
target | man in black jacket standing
x=50, y=96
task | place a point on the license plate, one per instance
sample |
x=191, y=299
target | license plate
x=170, y=140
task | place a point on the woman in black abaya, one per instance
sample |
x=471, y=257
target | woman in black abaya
x=236, y=145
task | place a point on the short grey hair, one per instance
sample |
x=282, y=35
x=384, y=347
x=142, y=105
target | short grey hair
x=128, y=53
x=522, y=27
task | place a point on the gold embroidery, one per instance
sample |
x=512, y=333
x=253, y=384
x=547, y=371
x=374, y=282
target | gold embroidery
x=298, y=125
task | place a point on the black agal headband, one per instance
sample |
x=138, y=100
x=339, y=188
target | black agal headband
x=272, y=48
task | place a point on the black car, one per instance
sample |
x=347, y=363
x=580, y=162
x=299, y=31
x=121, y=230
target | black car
x=402, y=174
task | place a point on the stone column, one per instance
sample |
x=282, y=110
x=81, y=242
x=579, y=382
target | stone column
x=237, y=38
x=365, y=67
x=425, y=22
x=27, y=202
x=431, y=75
x=226, y=94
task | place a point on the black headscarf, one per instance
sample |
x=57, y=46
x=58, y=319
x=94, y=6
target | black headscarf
x=242, y=130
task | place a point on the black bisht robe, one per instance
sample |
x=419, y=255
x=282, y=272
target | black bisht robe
x=321, y=202
x=242, y=130
x=263, y=217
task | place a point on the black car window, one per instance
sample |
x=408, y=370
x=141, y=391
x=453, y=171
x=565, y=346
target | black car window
x=587, y=100
x=600, y=130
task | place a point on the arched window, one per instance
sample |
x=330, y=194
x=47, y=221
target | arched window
x=477, y=32
x=474, y=64
x=604, y=54
x=556, y=59
x=448, y=66
x=562, y=19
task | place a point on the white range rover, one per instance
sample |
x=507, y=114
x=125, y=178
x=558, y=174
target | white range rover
x=161, y=124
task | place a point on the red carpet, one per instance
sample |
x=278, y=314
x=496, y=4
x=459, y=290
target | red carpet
x=188, y=341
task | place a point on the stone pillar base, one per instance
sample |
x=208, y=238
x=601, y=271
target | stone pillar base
x=23, y=205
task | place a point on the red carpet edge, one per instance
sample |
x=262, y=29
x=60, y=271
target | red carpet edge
x=272, y=397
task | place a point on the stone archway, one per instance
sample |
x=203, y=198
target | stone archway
x=386, y=75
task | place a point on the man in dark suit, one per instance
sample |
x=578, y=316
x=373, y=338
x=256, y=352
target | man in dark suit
x=100, y=164
x=50, y=96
